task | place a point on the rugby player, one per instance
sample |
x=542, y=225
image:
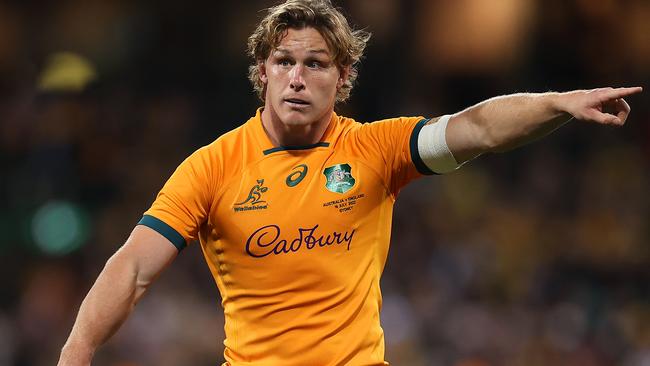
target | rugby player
x=293, y=208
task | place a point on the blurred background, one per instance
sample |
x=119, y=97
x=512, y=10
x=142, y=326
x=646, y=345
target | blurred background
x=535, y=257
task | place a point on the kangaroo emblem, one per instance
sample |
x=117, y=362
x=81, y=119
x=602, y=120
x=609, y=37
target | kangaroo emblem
x=255, y=194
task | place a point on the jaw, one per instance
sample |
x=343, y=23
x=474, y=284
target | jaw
x=294, y=127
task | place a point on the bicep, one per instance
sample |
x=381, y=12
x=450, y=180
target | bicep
x=149, y=253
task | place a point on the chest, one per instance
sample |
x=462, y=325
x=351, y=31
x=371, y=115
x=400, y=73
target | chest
x=319, y=195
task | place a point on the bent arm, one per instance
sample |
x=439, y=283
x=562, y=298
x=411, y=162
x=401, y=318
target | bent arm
x=503, y=123
x=122, y=282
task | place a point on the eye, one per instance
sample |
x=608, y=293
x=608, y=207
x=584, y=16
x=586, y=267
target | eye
x=314, y=64
x=284, y=62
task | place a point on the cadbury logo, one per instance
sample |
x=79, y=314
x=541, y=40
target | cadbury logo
x=266, y=240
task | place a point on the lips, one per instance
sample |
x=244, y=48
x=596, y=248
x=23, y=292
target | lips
x=296, y=101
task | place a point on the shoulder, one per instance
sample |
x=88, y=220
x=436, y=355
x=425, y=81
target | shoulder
x=386, y=126
x=224, y=144
x=210, y=159
x=231, y=137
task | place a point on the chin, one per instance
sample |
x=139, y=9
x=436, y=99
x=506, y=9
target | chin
x=297, y=118
x=296, y=122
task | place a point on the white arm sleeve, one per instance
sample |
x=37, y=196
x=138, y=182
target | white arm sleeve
x=433, y=149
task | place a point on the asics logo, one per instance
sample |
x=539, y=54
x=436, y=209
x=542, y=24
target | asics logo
x=297, y=176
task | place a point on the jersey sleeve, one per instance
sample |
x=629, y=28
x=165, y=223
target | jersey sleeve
x=395, y=143
x=183, y=204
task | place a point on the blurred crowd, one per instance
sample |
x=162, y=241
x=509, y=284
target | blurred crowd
x=539, y=256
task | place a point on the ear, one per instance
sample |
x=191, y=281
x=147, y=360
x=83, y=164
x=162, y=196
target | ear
x=344, y=74
x=261, y=65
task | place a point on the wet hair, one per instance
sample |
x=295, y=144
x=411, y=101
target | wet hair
x=346, y=45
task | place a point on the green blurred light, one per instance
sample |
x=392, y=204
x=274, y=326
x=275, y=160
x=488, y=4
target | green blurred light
x=59, y=227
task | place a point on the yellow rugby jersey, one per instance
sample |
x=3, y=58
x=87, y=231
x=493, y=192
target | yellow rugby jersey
x=296, y=237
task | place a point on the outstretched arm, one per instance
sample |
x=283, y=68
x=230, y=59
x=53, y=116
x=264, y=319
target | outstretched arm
x=118, y=288
x=505, y=122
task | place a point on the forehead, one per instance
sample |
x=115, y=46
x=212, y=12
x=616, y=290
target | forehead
x=306, y=39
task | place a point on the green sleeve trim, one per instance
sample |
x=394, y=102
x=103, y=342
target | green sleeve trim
x=415, y=154
x=165, y=230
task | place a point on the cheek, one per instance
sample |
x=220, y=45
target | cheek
x=274, y=82
x=327, y=85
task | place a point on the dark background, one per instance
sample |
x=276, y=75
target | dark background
x=535, y=257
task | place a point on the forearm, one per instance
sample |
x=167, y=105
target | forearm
x=118, y=288
x=503, y=123
x=513, y=120
x=104, y=309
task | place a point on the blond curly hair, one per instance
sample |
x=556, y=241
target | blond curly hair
x=347, y=45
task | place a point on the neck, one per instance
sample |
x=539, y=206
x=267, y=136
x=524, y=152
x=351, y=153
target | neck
x=282, y=134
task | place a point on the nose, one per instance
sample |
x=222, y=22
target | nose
x=296, y=81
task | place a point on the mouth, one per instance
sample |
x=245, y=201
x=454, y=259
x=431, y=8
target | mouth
x=296, y=102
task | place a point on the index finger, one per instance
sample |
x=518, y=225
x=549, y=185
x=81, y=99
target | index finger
x=623, y=92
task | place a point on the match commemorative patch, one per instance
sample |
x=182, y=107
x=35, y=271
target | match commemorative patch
x=339, y=178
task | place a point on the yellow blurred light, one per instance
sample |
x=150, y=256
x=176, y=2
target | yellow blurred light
x=66, y=72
